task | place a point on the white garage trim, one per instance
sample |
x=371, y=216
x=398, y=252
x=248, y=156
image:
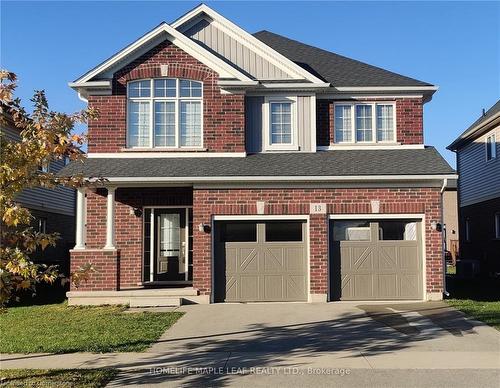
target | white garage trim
x=419, y=216
x=252, y=217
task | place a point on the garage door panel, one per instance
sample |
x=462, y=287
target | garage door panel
x=232, y=288
x=249, y=287
x=248, y=260
x=295, y=259
x=273, y=287
x=387, y=285
x=274, y=259
x=296, y=287
x=377, y=269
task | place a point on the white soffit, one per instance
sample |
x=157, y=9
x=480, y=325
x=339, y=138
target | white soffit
x=183, y=23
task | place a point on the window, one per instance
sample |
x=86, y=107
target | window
x=397, y=230
x=351, y=231
x=364, y=123
x=491, y=147
x=239, y=232
x=41, y=225
x=467, y=230
x=165, y=112
x=281, y=127
x=45, y=167
x=283, y=231
x=497, y=225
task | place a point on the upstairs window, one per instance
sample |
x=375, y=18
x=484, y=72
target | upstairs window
x=364, y=123
x=165, y=113
x=491, y=147
x=281, y=129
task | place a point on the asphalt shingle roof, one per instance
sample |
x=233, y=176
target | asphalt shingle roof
x=425, y=161
x=475, y=126
x=334, y=68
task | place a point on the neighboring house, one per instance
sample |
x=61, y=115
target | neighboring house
x=478, y=164
x=450, y=220
x=255, y=168
x=53, y=210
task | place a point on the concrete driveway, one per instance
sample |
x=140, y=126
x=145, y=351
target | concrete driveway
x=294, y=344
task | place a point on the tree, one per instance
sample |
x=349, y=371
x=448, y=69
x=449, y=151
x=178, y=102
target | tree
x=44, y=136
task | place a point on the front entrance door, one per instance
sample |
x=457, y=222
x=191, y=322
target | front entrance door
x=170, y=245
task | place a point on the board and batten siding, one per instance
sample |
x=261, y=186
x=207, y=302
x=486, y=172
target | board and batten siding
x=479, y=180
x=232, y=51
x=254, y=122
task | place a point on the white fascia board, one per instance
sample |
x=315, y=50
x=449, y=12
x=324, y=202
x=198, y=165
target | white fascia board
x=248, y=40
x=178, y=39
x=90, y=84
x=360, y=178
x=379, y=146
x=386, y=88
x=169, y=154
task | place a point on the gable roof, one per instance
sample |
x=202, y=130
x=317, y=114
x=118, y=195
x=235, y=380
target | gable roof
x=296, y=166
x=160, y=33
x=478, y=127
x=187, y=20
x=336, y=69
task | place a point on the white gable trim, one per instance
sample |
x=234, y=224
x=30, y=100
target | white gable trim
x=184, y=43
x=248, y=40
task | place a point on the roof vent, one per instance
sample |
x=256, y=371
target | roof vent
x=484, y=112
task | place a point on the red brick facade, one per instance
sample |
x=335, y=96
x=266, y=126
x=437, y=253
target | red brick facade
x=223, y=114
x=409, y=121
x=127, y=271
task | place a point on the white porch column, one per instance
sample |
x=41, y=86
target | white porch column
x=110, y=219
x=80, y=218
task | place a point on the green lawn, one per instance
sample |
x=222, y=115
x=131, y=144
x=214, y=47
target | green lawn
x=59, y=328
x=68, y=378
x=478, y=298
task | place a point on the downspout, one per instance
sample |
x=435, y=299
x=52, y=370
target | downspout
x=443, y=233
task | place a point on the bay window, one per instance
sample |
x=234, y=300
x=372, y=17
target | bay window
x=164, y=113
x=364, y=123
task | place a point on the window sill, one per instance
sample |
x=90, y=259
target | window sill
x=282, y=149
x=192, y=149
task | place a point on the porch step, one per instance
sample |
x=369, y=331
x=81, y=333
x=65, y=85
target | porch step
x=161, y=297
x=155, y=302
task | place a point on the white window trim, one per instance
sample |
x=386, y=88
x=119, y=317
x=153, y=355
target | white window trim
x=177, y=99
x=373, y=104
x=268, y=146
x=494, y=149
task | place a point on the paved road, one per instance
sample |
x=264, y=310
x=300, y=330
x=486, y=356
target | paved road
x=293, y=344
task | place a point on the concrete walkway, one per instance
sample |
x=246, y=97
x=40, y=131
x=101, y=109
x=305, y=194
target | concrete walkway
x=302, y=344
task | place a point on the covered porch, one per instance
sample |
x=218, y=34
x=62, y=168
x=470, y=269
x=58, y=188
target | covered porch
x=140, y=241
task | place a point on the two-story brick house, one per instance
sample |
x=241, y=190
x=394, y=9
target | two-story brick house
x=255, y=168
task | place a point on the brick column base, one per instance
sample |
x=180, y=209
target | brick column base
x=107, y=265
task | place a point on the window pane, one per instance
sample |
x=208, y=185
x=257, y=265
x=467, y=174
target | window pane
x=190, y=123
x=364, y=123
x=385, y=123
x=397, y=230
x=238, y=232
x=283, y=231
x=164, y=124
x=165, y=88
x=490, y=147
x=139, y=125
x=343, y=125
x=281, y=122
x=351, y=230
x=190, y=88
x=139, y=89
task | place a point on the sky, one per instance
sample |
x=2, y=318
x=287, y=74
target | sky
x=454, y=45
